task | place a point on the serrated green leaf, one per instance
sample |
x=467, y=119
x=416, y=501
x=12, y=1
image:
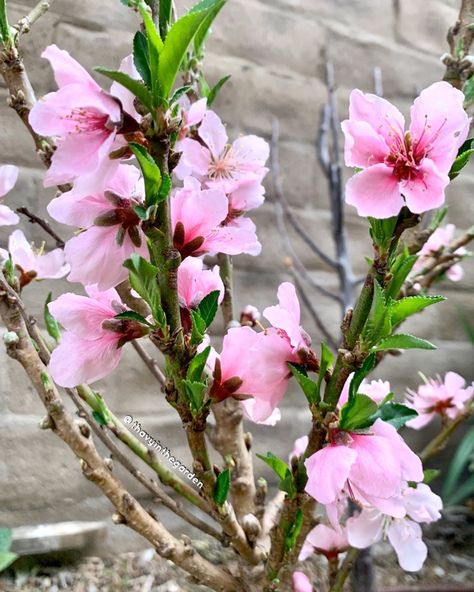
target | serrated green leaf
x=403, y=341
x=165, y=187
x=197, y=365
x=214, y=91
x=221, y=487
x=395, y=414
x=52, y=326
x=195, y=391
x=294, y=530
x=141, y=59
x=405, y=307
x=378, y=324
x=308, y=386
x=178, y=93
x=165, y=16
x=6, y=559
x=131, y=315
x=5, y=539
x=179, y=37
x=155, y=47
x=151, y=174
x=142, y=277
x=198, y=328
x=207, y=308
x=358, y=413
x=136, y=87
x=463, y=157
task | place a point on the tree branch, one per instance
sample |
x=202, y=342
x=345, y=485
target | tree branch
x=25, y=23
x=34, y=219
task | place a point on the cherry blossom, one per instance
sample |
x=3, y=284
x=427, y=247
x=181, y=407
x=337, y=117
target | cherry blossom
x=402, y=168
x=440, y=239
x=8, y=177
x=34, y=264
x=403, y=532
x=371, y=467
x=446, y=397
x=198, y=216
x=90, y=346
x=325, y=540
x=112, y=228
x=84, y=117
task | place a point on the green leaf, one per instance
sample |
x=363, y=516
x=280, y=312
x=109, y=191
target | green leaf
x=102, y=413
x=141, y=58
x=399, y=270
x=142, y=277
x=131, y=315
x=358, y=413
x=430, y=475
x=179, y=38
x=155, y=47
x=381, y=231
x=461, y=459
x=438, y=217
x=50, y=322
x=282, y=470
x=405, y=307
x=204, y=29
x=214, y=91
x=5, y=31
x=197, y=365
x=6, y=559
x=178, y=93
x=308, y=386
x=463, y=157
x=165, y=16
x=403, y=341
x=165, y=187
x=151, y=174
x=98, y=417
x=5, y=539
x=378, y=323
x=360, y=374
x=325, y=363
x=221, y=487
x=195, y=392
x=198, y=328
x=136, y=87
x=207, y=308
x=395, y=414
x=294, y=530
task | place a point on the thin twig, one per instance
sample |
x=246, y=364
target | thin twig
x=150, y=362
x=25, y=23
x=34, y=219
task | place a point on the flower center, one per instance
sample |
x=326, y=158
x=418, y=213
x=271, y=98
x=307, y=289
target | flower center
x=405, y=157
x=123, y=215
x=88, y=119
x=224, y=166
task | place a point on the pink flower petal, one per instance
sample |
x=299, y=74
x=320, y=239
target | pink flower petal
x=8, y=178
x=7, y=216
x=213, y=132
x=427, y=191
x=328, y=470
x=375, y=192
x=66, y=69
x=363, y=146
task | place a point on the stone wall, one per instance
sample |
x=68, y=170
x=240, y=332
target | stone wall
x=275, y=52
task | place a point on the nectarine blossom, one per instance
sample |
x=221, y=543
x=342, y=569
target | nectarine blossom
x=112, y=228
x=195, y=282
x=440, y=239
x=402, y=168
x=446, y=397
x=81, y=114
x=324, y=540
x=404, y=532
x=90, y=346
x=8, y=177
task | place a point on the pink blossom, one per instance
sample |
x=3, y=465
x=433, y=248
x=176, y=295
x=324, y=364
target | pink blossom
x=250, y=315
x=8, y=177
x=113, y=229
x=403, y=532
x=440, y=239
x=90, y=346
x=370, y=466
x=198, y=216
x=84, y=117
x=299, y=447
x=402, y=168
x=253, y=365
x=286, y=317
x=325, y=540
x=377, y=390
x=438, y=397
x=191, y=115
x=300, y=582
x=126, y=98
x=237, y=167
x=194, y=282
x=35, y=264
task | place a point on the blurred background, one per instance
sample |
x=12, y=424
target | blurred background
x=275, y=51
